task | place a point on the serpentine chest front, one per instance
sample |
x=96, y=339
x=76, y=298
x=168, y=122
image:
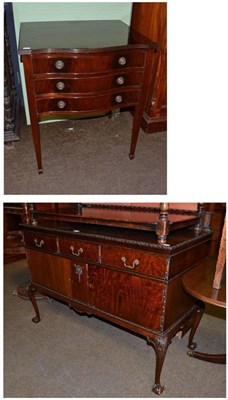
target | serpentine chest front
x=75, y=68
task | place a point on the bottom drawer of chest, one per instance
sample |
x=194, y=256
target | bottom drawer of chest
x=90, y=103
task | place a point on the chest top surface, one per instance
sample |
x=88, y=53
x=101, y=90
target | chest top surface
x=78, y=35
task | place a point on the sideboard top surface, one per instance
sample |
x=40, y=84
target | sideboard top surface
x=78, y=35
x=147, y=240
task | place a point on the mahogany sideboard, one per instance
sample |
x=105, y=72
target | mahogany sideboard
x=121, y=274
x=74, y=68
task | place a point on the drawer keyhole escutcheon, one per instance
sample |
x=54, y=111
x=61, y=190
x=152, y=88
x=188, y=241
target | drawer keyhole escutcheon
x=61, y=104
x=60, y=85
x=119, y=99
x=122, y=60
x=78, y=271
x=38, y=244
x=134, y=264
x=120, y=80
x=80, y=251
x=59, y=64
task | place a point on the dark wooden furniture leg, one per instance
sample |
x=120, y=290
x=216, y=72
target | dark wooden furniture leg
x=213, y=358
x=135, y=131
x=37, y=146
x=198, y=315
x=160, y=345
x=28, y=68
x=31, y=293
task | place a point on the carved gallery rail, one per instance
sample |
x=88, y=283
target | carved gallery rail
x=76, y=68
x=121, y=275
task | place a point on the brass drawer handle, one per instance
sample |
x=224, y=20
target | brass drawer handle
x=134, y=264
x=78, y=271
x=38, y=244
x=122, y=60
x=119, y=99
x=80, y=251
x=59, y=64
x=120, y=80
x=60, y=85
x=61, y=104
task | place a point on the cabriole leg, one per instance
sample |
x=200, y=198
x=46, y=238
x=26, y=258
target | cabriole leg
x=198, y=315
x=31, y=293
x=160, y=345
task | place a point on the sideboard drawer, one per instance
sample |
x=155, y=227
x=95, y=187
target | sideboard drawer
x=79, y=249
x=40, y=241
x=88, y=84
x=88, y=63
x=90, y=103
x=135, y=261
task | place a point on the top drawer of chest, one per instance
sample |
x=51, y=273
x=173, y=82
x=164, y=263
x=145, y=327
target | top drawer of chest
x=88, y=63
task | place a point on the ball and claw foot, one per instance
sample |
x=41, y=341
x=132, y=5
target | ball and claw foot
x=158, y=388
x=36, y=319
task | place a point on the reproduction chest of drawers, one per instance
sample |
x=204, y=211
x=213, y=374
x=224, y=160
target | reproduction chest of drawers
x=122, y=275
x=76, y=68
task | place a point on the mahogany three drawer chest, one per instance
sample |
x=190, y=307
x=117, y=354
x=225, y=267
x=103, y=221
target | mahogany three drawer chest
x=77, y=68
x=120, y=274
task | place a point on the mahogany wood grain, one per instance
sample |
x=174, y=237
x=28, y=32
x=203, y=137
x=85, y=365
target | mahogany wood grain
x=28, y=70
x=88, y=63
x=50, y=271
x=149, y=264
x=199, y=283
x=79, y=280
x=88, y=84
x=187, y=259
x=150, y=19
x=40, y=241
x=77, y=104
x=107, y=47
x=142, y=298
x=127, y=296
x=85, y=250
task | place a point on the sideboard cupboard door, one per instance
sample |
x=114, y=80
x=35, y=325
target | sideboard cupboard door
x=134, y=299
x=79, y=279
x=50, y=271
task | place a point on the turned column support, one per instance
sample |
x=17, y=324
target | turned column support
x=162, y=229
x=27, y=216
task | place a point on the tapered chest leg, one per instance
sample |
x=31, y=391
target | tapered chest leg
x=135, y=130
x=37, y=145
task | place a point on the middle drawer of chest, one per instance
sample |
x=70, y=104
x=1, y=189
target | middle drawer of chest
x=88, y=84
